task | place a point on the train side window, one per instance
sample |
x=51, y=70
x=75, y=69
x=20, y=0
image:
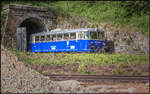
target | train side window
x=54, y=37
x=93, y=35
x=48, y=38
x=66, y=36
x=81, y=35
x=42, y=38
x=103, y=35
x=36, y=38
x=72, y=35
x=59, y=36
x=100, y=36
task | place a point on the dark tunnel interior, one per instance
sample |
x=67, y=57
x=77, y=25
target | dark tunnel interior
x=32, y=25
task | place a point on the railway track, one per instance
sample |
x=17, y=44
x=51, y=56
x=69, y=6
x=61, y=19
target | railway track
x=99, y=78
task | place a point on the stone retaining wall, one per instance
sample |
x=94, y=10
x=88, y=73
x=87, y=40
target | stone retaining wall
x=125, y=41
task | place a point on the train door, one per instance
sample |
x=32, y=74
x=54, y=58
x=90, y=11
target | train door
x=80, y=41
x=53, y=43
x=21, y=43
x=66, y=43
x=73, y=42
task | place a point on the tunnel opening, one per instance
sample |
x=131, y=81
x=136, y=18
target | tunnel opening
x=32, y=25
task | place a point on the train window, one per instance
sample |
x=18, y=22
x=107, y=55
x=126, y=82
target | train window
x=93, y=35
x=48, y=38
x=81, y=35
x=42, y=38
x=54, y=37
x=103, y=35
x=36, y=38
x=59, y=36
x=86, y=35
x=72, y=35
x=66, y=36
x=100, y=36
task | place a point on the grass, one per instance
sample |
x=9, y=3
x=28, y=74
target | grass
x=64, y=59
x=108, y=12
x=122, y=62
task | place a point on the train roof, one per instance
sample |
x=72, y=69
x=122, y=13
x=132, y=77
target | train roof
x=59, y=31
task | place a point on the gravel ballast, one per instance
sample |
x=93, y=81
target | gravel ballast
x=16, y=77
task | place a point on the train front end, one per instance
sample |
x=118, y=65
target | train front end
x=96, y=46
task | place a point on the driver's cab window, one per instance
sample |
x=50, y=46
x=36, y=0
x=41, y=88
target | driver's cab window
x=93, y=35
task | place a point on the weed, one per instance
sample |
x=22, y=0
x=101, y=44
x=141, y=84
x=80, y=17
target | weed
x=82, y=59
x=82, y=68
x=118, y=71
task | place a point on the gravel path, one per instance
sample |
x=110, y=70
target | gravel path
x=16, y=77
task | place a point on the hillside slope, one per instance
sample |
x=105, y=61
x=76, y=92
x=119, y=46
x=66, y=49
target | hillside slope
x=131, y=15
x=126, y=14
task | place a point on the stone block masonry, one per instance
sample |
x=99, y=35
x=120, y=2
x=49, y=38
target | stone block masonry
x=22, y=15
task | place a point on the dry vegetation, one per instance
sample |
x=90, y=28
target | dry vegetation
x=86, y=63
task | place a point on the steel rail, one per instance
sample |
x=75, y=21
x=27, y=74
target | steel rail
x=99, y=77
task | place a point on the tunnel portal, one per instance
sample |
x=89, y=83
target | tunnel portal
x=28, y=19
x=31, y=25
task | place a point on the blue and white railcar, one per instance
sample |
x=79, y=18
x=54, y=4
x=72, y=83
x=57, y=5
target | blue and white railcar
x=73, y=40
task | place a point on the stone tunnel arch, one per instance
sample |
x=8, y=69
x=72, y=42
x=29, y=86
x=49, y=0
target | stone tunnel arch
x=32, y=25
